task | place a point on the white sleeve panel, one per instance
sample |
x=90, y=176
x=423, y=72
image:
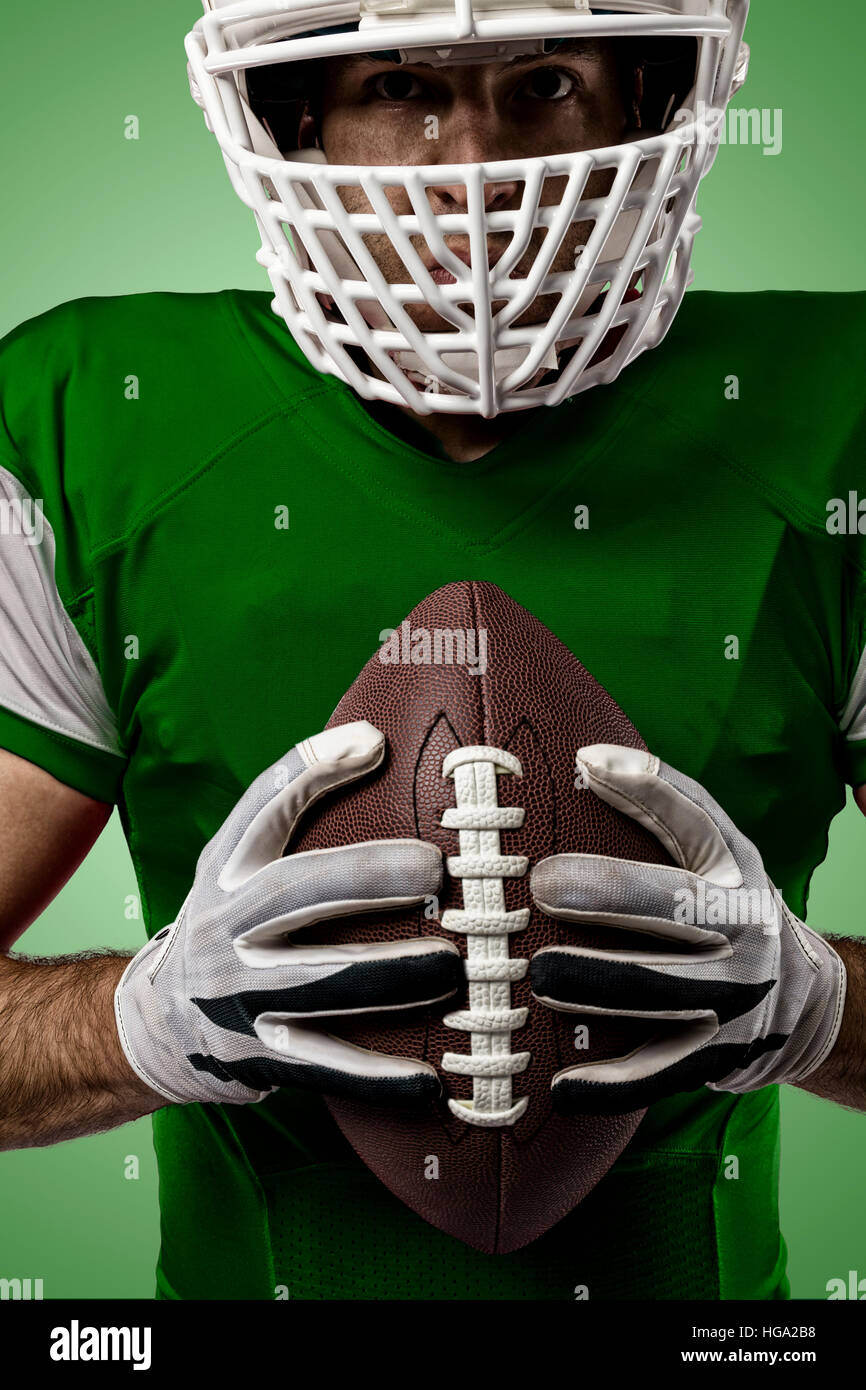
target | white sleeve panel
x=46, y=672
x=852, y=720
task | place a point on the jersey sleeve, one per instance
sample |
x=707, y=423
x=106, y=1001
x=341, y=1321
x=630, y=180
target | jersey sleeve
x=53, y=709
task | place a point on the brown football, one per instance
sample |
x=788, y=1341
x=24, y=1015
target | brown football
x=470, y=669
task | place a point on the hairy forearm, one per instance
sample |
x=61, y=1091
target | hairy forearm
x=842, y=1077
x=63, y=1072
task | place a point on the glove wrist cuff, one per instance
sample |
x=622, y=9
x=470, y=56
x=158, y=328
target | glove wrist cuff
x=826, y=1010
x=134, y=1013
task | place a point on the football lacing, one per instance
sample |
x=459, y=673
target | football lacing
x=487, y=925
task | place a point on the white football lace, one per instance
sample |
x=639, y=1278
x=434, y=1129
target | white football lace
x=490, y=1020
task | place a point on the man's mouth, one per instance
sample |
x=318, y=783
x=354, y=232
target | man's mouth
x=440, y=276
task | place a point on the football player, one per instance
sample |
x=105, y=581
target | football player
x=476, y=360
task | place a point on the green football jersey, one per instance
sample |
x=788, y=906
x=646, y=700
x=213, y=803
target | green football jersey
x=204, y=539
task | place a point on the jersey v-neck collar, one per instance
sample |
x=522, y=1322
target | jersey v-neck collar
x=483, y=502
x=479, y=504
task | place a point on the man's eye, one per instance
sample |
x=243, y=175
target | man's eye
x=397, y=86
x=547, y=84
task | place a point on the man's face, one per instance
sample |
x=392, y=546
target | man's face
x=376, y=112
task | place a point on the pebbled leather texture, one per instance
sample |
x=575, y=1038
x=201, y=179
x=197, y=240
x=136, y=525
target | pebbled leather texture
x=497, y=1188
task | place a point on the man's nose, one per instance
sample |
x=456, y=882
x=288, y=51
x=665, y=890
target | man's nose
x=471, y=142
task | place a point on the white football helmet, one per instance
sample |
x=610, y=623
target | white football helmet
x=629, y=271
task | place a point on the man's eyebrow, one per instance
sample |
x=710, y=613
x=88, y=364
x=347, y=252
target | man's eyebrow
x=356, y=60
x=569, y=48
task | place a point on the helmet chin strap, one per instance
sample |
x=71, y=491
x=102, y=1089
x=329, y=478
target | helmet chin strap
x=505, y=361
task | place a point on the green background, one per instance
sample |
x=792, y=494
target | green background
x=90, y=212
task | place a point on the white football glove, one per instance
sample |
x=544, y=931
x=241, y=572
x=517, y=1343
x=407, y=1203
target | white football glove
x=217, y=1007
x=751, y=995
